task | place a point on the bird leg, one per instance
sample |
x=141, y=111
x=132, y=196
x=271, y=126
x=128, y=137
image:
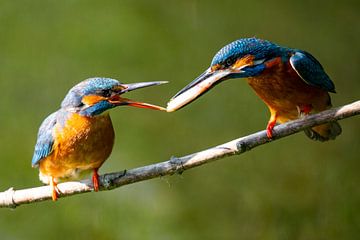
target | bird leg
x=271, y=124
x=95, y=179
x=54, y=189
x=304, y=110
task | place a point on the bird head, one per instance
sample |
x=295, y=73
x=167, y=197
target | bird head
x=240, y=59
x=93, y=96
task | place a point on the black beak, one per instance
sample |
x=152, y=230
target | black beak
x=133, y=86
x=196, y=88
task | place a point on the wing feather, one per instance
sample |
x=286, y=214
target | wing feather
x=311, y=71
x=45, y=140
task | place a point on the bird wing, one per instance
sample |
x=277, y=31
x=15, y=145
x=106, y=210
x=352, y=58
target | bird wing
x=311, y=71
x=45, y=140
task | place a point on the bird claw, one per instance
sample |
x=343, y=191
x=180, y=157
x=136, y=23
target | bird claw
x=95, y=180
x=55, y=192
x=269, y=133
x=304, y=110
x=270, y=127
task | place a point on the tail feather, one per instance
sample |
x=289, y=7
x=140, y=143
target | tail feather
x=324, y=132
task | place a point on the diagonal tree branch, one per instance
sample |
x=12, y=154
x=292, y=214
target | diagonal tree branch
x=13, y=198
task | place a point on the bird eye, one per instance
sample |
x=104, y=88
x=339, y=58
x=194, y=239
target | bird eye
x=106, y=93
x=228, y=62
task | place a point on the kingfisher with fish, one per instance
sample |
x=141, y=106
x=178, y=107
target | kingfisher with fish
x=291, y=82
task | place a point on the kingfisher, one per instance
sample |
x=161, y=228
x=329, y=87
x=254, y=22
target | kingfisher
x=291, y=82
x=77, y=139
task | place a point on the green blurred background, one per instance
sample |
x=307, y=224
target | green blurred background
x=291, y=189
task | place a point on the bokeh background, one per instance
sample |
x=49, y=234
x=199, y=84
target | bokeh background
x=291, y=189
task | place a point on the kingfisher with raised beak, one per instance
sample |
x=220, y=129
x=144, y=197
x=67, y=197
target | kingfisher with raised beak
x=79, y=137
x=291, y=82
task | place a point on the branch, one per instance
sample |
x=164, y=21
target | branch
x=13, y=198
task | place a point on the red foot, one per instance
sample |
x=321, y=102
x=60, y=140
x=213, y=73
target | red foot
x=271, y=125
x=54, y=191
x=269, y=129
x=95, y=180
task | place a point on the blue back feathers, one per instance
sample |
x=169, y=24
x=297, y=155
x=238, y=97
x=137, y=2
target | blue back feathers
x=311, y=71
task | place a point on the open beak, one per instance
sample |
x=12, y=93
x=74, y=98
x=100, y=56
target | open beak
x=124, y=88
x=196, y=88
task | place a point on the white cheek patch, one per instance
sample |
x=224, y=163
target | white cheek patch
x=191, y=94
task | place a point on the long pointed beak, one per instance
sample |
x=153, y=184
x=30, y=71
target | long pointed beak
x=118, y=100
x=133, y=86
x=196, y=88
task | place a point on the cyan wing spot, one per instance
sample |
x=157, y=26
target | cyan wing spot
x=311, y=71
x=45, y=140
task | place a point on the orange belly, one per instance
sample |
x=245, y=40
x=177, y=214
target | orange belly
x=82, y=144
x=284, y=91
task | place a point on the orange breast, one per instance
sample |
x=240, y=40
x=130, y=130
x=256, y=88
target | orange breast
x=82, y=144
x=283, y=91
